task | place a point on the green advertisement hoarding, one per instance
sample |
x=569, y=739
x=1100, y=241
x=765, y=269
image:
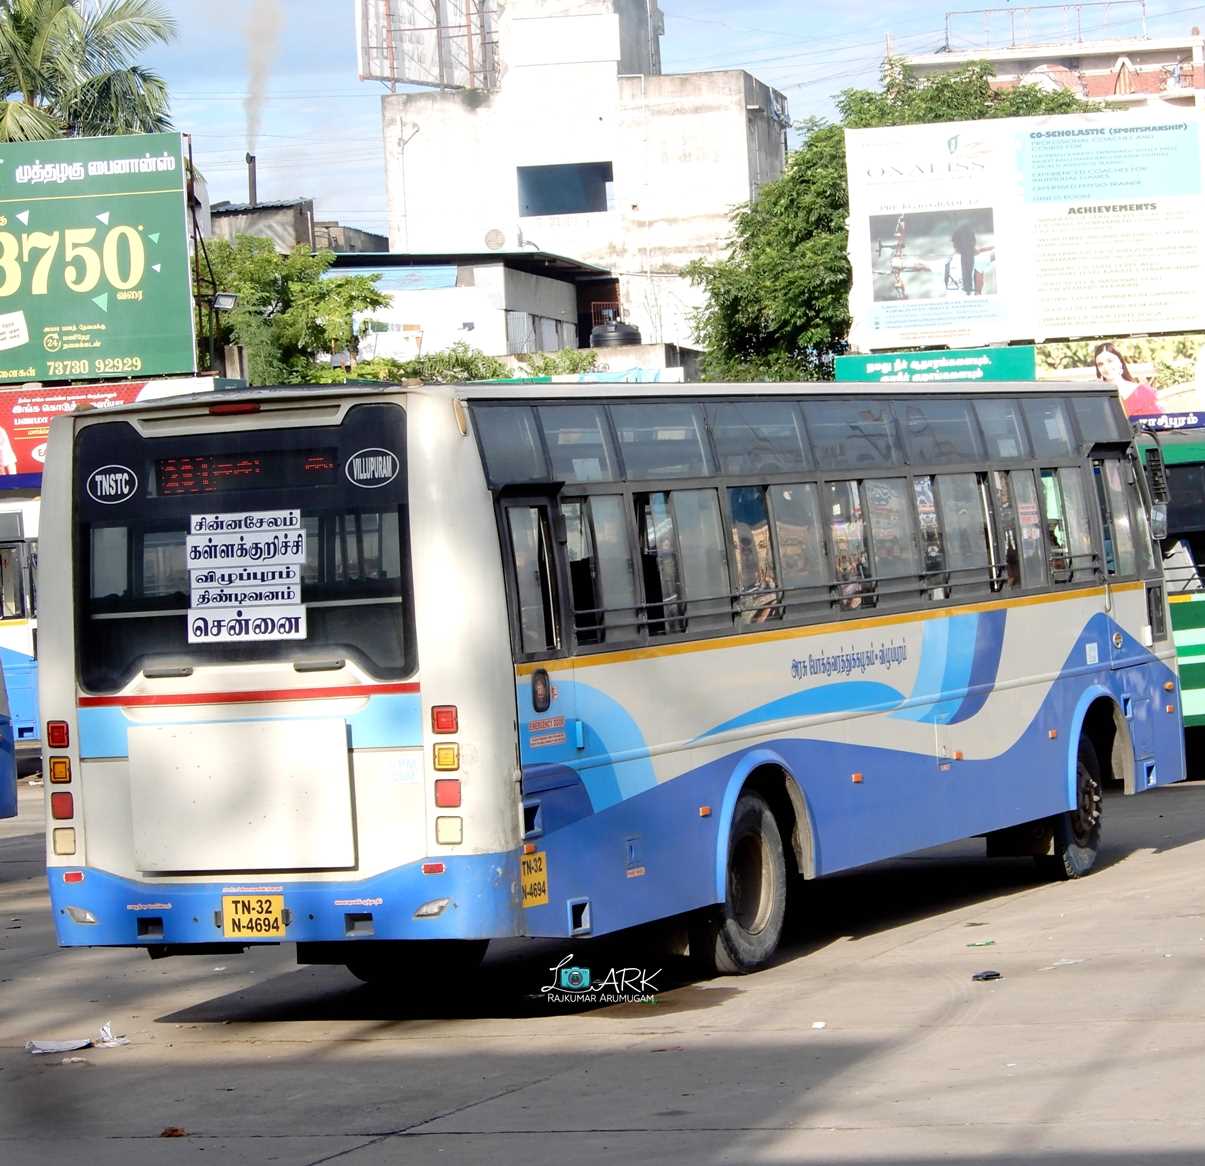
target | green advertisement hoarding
x=94, y=269
x=1015, y=363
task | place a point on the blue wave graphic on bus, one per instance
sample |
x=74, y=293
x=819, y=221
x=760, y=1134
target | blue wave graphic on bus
x=845, y=696
x=960, y=655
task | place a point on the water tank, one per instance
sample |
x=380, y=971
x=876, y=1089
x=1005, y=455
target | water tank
x=614, y=335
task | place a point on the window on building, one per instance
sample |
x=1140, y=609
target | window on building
x=575, y=189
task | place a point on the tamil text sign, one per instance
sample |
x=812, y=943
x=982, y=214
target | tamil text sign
x=984, y=232
x=94, y=275
x=951, y=364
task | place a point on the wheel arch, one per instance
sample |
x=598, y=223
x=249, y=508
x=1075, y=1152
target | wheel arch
x=765, y=771
x=1098, y=716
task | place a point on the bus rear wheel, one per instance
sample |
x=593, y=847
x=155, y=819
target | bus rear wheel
x=1077, y=832
x=741, y=934
x=434, y=964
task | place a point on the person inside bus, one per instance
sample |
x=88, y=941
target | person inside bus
x=1137, y=397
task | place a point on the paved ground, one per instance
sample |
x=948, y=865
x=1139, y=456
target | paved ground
x=1089, y=1050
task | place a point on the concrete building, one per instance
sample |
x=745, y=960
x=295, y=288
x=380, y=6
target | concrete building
x=582, y=147
x=1069, y=48
x=500, y=303
x=287, y=222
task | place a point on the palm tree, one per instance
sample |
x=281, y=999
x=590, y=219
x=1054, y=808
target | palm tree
x=67, y=68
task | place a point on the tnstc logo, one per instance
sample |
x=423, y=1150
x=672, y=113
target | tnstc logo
x=371, y=468
x=112, y=484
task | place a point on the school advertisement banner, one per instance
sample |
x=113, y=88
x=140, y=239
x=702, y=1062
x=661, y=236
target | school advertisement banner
x=94, y=276
x=1018, y=229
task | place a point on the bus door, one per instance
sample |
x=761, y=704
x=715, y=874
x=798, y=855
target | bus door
x=545, y=701
x=1136, y=613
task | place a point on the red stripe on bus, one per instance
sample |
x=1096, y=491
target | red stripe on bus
x=252, y=697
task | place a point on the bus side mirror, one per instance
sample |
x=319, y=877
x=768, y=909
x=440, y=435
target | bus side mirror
x=1159, y=521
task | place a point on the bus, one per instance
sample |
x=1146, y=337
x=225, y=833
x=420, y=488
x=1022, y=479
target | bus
x=388, y=673
x=1183, y=456
x=18, y=620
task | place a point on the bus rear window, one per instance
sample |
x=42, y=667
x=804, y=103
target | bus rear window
x=335, y=496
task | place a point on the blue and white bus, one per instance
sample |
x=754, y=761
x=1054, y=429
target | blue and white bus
x=19, y=620
x=392, y=673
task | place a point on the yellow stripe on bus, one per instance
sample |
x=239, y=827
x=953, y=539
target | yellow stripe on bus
x=677, y=649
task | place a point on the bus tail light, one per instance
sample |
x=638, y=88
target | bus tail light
x=58, y=735
x=64, y=840
x=73, y=876
x=434, y=868
x=447, y=793
x=449, y=831
x=60, y=770
x=62, y=806
x=234, y=407
x=445, y=719
x=447, y=756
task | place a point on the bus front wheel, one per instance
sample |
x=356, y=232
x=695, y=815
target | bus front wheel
x=1077, y=832
x=742, y=933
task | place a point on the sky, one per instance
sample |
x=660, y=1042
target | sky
x=320, y=135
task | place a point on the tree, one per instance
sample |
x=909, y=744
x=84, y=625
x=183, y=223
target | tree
x=778, y=307
x=288, y=311
x=68, y=68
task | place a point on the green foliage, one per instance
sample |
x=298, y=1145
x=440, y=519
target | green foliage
x=563, y=362
x=288, y=312
x=68, y=67
x=778, y=307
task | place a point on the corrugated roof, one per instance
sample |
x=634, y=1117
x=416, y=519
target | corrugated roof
x=242, y=208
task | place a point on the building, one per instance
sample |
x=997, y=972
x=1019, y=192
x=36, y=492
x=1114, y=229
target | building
x=572, y=142
x=501, y=303
x=1070, y=47
x=290, y=223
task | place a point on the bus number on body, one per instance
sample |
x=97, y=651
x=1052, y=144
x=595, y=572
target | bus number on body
x=253, y=916
x=533, y=869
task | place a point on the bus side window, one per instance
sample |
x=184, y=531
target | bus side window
x=966, y=530
x=659, y=565
x=1082, y=556
x=1057, y=538
x=1008, y=567
x=851, y=561
x=895, y=560
x=803, y=570
x=753, y=556
x=12, y=603
x=1033, y=556
x=602, y=576
x=535, y=579
x=1114, y=516
x=933, y=551
x=704, y=565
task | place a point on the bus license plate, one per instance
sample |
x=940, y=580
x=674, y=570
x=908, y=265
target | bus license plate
x=534, y=871
x=253, y=916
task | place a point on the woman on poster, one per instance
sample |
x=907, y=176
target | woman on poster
x=1137, y=397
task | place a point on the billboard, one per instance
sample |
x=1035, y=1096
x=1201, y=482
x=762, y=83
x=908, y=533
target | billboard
x=1160, y=379
x=443, y=43
x=94, y=274
x=1018, y=229
x=948, y=364
x=26, y=413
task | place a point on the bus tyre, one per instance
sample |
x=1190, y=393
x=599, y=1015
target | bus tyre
x=1077, y=832
x=433, y=964
x=742, y=933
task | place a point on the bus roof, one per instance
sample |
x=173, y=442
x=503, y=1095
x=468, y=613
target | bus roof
x=609, y=390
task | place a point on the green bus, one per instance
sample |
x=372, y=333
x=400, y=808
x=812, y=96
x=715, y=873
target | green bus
x=1183, y=455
